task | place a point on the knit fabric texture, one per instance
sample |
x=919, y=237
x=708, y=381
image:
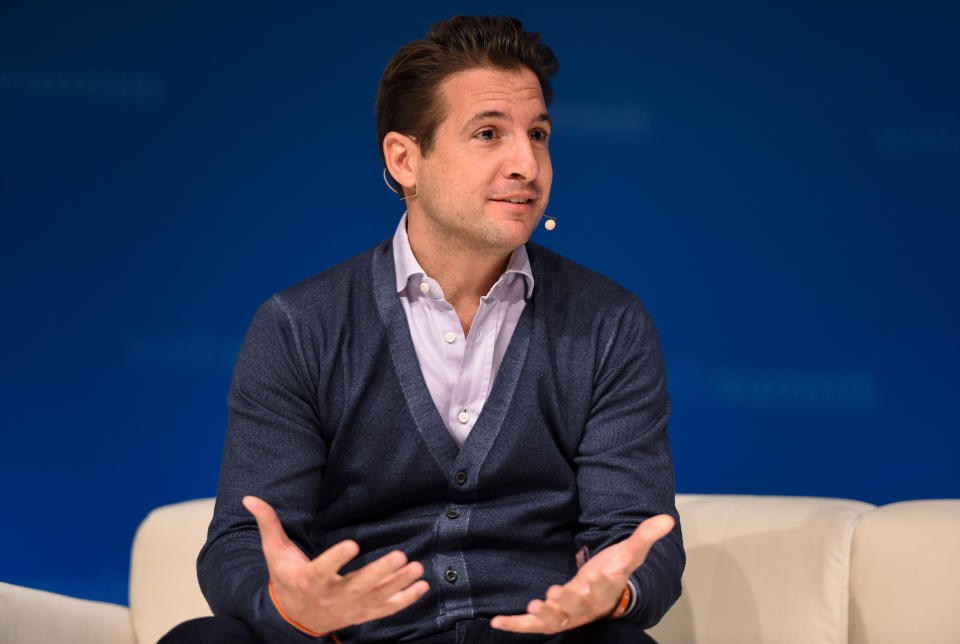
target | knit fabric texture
x=332, y=424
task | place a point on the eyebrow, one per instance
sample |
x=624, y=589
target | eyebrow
x=543, y=117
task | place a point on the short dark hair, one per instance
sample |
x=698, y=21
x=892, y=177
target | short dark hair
x=409, y=100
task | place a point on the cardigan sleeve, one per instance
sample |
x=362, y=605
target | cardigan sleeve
x=624, y=465
x=273, y=450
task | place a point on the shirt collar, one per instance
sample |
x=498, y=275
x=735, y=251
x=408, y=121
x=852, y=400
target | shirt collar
x=405, y=264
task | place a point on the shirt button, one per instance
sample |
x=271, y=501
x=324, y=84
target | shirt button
x=460, y=477
x=449, y=336
x=453, y=513
x=424, y=287
x=463, y=417
x=450, y=576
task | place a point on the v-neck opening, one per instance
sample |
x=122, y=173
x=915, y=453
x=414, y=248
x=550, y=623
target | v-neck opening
x=428, y=419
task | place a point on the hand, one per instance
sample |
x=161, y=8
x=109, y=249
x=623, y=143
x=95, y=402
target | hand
x=316, y=596
x=594, y=590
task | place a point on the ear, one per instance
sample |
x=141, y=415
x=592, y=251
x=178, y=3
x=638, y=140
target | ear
x=402, y=155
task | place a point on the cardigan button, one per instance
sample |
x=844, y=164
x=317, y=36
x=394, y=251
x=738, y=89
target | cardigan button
x=460, y=477
x=450, y=576
x=453, y=513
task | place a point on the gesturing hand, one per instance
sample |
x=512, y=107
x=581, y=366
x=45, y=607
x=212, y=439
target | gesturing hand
x=316, y=596
x=594, y=590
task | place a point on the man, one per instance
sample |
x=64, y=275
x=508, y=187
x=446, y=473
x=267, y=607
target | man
x=457, y=436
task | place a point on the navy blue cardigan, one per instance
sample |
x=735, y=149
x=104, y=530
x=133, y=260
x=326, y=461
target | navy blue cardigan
x=332, y=424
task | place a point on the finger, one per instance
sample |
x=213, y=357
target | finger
x=656, y=528
x=331, y=560
x=398, y=581
x=519, y=624
x=597, y=593
x=598, y=586
x=400, y=600
x=648, y=533
x=373, y=574
x=272, y=536
x=550, y=614
x=573, y=601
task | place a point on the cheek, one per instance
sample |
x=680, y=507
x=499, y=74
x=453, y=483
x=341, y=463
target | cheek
x=465, y=182
x=544, y=160
x=449, y=173
x=546, y=173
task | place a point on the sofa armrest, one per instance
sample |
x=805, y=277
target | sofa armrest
x=30, y=616
x=164, y=590
x=905, y=574
x=763, y=569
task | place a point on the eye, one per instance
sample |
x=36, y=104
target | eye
x=487, y=134
x=540, y=136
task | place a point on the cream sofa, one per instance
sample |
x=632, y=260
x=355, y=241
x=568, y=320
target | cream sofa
x=778, y=570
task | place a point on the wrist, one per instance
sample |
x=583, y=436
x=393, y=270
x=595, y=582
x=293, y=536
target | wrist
x=623, y=603
x=300, y=627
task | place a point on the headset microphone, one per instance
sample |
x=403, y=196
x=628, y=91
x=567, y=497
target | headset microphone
x=550, y=223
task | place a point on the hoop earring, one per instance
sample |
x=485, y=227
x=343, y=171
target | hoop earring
x=394, y=190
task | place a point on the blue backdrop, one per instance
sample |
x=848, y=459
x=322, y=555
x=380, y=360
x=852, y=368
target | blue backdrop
x=777, y=181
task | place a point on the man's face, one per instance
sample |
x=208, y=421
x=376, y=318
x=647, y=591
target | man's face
x=489, y=154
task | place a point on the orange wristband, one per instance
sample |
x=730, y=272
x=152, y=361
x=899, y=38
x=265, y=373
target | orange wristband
x=297, y=626
x=622, y=605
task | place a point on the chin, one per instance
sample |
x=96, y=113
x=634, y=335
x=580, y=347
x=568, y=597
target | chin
x=517, y=234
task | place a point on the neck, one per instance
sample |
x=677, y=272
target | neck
x=464, y=273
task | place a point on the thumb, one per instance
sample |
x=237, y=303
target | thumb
x=272, y=536
x=656, y=528
x=648, y=533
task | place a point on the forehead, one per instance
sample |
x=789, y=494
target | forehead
x=484, y=88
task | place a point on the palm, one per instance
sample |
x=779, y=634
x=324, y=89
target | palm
x=316, y=595
x=286, y=559
x=594, y=590
x=615, y=563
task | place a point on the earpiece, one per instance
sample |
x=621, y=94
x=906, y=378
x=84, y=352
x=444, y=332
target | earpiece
x=394, y=190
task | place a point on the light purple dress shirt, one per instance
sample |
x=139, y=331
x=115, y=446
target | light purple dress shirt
x=459, y=371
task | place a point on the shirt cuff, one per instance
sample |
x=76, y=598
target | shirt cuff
x=634, y=594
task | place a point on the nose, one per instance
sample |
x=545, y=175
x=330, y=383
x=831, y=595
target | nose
x=522, y=163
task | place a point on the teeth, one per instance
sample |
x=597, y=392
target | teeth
x=517, y=200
